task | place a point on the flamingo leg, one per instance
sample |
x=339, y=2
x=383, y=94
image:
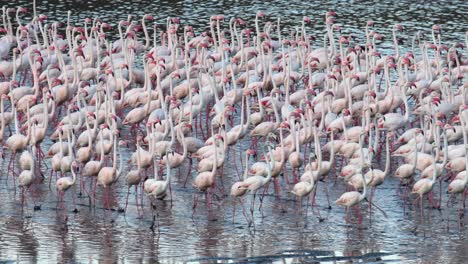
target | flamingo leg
x=188, y=171
x=252, y=206
x=126, y=199
x=195, y=203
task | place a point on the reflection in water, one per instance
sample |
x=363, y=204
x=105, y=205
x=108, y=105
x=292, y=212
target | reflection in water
x=285, y=235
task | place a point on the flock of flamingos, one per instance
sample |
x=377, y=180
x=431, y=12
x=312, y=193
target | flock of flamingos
x=291, y=111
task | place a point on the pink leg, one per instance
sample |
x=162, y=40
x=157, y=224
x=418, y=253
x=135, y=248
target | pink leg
x=126, y=200
x=277, y=187
x=188, y=171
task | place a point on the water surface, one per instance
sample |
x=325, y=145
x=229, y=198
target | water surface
x=283, y=235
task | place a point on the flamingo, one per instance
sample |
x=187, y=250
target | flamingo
x=17, y=142
x=350, y=199
x=133, y=177
x=424, y=186
x=157, y=188
x=65, y=183
x=304, y=188
x=26, y=178
x=459, y=185
x=254, y=183
x=107, y=176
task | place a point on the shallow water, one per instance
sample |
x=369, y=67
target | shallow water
x=283, y=235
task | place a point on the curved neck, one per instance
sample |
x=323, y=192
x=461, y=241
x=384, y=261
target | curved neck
x=145, y=31
x=73, y=175
x=102, y=148
x=28, y=137
x=271, y=165
x=444, y=133
x=168, y=172
x=416, y=152
x=184, y=144
x=405, y=102
x=465, y=142
x=434, y=175
x=2, y=111
x=215, y=162
x=318, y=152
x=387, y=156
x=283, y=158
x=277, y=117
x=246, y=166
x=138, y=155
x=332, y=152
x=247, y=112
x=119, y=171
x=364, y=184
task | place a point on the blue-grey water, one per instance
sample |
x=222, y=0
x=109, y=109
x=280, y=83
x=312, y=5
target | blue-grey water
x=283, y=235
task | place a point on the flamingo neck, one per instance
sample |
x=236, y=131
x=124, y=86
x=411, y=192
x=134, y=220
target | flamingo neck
x=168, y=173
x=387, y=156
x=138, y=155
x=332, y=152
x=246, y=166
x=2, y=111
x=73, y=176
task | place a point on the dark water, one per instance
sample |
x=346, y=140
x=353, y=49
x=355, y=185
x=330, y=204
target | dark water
x=284, y=235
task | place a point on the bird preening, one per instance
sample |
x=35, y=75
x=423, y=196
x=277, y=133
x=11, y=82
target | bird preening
x=153, y=106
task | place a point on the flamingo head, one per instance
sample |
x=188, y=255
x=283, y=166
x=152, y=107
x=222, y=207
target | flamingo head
x=157, y=121
x=123, y=143
x=175, y=20
x=448, y=126
x=57, y=82
x=330, y=93
x=91, y=115
x=247, y=92
x=240, y=21
x=378, y=36
x=299, y=111
x=251, y=151
x=75, y=166
x=261, y=14
x=310, y=91
x=149, y=17
x=331, y=13
x=440, y=115
x=175, y=103
x=235, y=60
x=399, y=27
x=219, y=137
x=344, y=40
x=265, y=102
x=455, y=119
x=435, y=100
x=285, y=125
x=189, y=126
x=436, y=28
x=381, y=122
